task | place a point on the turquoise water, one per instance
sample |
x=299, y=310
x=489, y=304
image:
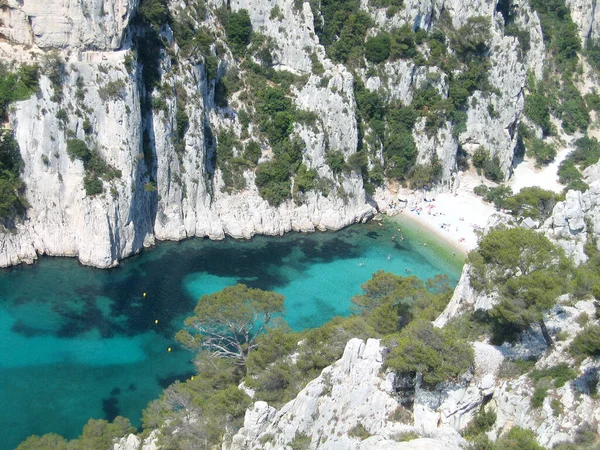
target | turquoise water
x=79, y=342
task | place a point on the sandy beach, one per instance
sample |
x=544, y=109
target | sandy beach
x=457, y=218
x=460, y=217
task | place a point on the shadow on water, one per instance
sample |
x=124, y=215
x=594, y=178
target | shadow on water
x=130, y=313
x=111, y=408
x=165, y=382
x=82, y=306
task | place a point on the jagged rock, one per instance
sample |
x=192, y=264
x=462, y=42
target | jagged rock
x=350, y=392
x=88, y=24
x=133, y=442
x=586, y=15
x=573, y=219
x=377, y=443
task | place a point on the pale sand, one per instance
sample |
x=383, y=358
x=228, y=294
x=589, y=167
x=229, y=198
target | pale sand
x=457, y=218
x=526, y=174
x=460, y=217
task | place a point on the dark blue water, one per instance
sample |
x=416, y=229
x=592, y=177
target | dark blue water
x=79, y=342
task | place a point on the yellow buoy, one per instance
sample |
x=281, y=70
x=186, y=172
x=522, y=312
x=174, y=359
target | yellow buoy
x=144, y=294
x=169, y=349
x=156, y=321
x=192, y=378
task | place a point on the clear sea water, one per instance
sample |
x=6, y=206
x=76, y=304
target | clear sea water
x=79, y=342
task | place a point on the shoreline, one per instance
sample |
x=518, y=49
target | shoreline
x=405, y=217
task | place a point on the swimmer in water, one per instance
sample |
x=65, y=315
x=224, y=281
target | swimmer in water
x=389, y=257
x=360, y=264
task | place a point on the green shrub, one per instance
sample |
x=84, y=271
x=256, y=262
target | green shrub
x=569, y=175
x=154, y=12
x=276, y=13
x=377, y=48
x=514, y=369
x=586, y=153
x=252, y=152
x=470, y=40
x=305, y=179
x=489, y=166
x=359, y=431
x=404, y=43
x=561, y=373
x=572, y=109
x=538, y=397
x=239, y=29
x=521, y=34
x=407, y=436
x=18, y=85
x=424, y=175
x=101, y=433
x=182, y=121
x=12, y=201
x=273, y=182
x=92, y=185
x=435, y=353
x=78, y=149
x=482, y=422
x=558, y=31
x=341, y=28
x=538, y=111
x=542, y=152
x=496, y=195
x=300, y=442
x=112, y=90
x=533, y=202
x=335, y=160
x=557, y=407
x=87, y=126
x=586, y=343
x=50, y=441
x=517, y=438
x=397, y=4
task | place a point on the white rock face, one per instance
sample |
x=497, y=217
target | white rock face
x=586, y=15
x=292, y=29
x=570, y=222
x=89, y=24
x=129, y=215
x=512, y=398
x=178, y=196
x=352, y=391
x=133, y=442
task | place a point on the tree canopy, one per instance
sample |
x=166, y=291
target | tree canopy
x=390, y=301
x=525, y=270
x=228, y=322
x=433, y=352
x=239, y=29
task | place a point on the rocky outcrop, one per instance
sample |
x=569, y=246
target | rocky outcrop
x=55, y=24
x=354, y=392
x=574, y=221
x=349, y=394
x=566, y=410
x=586, y=15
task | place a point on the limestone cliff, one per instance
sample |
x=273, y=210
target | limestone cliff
x=168, y=186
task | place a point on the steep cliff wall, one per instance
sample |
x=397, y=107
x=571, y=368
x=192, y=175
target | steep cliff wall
x=168, y=186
